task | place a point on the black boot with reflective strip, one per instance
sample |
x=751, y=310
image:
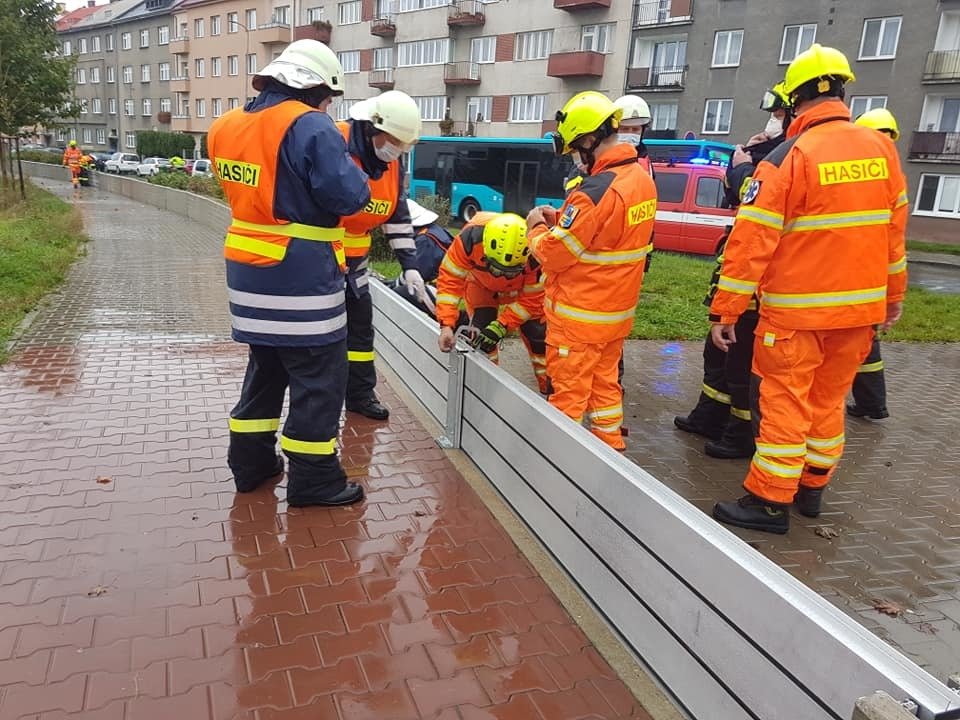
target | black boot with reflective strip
x=708, y=418
x=753, y=513
x=736, y=442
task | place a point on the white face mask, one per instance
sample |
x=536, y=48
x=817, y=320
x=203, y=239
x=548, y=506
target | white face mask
x=630, y=139
x=388, y=152
x=774, y=127
x=578, y=161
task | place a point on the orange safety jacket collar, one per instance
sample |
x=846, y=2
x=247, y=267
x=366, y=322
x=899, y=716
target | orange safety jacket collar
x=824, y=112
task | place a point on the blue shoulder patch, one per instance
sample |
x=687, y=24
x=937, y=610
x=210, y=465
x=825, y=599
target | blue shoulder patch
x=566, y=220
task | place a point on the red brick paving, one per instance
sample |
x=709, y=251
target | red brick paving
x=157, y=592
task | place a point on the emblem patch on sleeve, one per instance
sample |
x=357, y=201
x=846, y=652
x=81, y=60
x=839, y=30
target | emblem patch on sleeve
x=751, y=194
x=566, y=220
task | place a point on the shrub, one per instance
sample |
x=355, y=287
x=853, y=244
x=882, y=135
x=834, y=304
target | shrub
x=206, y=186
x=41, y=156
x=380, y=250
x=164, y=144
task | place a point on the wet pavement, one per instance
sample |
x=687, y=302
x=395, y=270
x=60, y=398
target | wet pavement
x=134, y=583
x=895, y=503
x=936, y=277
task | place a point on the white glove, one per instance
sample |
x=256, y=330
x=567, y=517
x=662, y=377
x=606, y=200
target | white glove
x=417, y=287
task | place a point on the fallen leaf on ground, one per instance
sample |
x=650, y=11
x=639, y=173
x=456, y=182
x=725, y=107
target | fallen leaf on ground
x=104, y=480
x=926, y=627
x=826, y=532
x=888, y=608
x=97, y=591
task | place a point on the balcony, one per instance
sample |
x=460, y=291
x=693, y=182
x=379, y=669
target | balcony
x=935, y=147
x=657, y=79
x=382, y=79
x=574, y=5
x=164, y=117
x=180, y=122
x=273, y=33
x=461, y=73
x=942, y=66
x=384, y=25
x=465, y=13
x=179, y=44
x=180, y=83
x=317, y=30
x=656, y=13
x=581, y=64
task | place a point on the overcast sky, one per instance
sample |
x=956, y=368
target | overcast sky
x=74, y=4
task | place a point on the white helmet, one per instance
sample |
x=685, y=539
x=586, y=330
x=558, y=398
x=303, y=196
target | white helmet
x=392, y=112
x=419, y=215
x=634, y=108
x=304, y=64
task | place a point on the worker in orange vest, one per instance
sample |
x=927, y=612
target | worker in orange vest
x=593, y=253
x=488, y=268
x=72, y=157
x=820, y=237
x=379, y=131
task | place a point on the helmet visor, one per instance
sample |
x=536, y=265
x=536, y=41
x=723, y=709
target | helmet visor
x=771, y=101
x=499, y=270
x=557, y=143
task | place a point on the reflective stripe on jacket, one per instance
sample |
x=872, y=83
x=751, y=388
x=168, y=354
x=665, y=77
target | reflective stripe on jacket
x=820, y=234
x=594, y=257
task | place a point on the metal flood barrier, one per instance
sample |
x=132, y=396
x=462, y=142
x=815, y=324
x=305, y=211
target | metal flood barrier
x=727, y=633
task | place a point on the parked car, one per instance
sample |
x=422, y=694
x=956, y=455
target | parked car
x=202, y=168
x=100, y=160
x=188, y=166
x=152, y=166
x=122, y=163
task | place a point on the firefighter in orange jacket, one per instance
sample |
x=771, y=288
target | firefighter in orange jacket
x=489, y=268
x=380, y=130
x=820, y=237
x=593, y=253
x=72, y=158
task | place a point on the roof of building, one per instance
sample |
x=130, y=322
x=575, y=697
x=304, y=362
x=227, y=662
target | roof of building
x=67, y=21
x=106, y=14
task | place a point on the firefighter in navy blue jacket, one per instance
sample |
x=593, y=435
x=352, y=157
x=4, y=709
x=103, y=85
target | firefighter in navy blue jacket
x=432, y=240
x=289, y=180
x=380, y=130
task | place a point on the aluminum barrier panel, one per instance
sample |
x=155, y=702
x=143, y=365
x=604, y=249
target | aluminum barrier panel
x=729, y=634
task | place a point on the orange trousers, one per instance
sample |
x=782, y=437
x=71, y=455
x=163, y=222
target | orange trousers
x=585, y=383
x=800, y=382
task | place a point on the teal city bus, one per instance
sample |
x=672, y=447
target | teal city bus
x=515, y=174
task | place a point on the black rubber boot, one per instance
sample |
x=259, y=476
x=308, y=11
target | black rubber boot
x=854, y=410
x=736, y=442
x=369, y=407
x=350, y=494
x=708, y=418
x=249, y=483
x=753, y=513
x=807, y=501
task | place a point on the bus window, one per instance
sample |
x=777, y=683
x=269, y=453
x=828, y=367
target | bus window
x=425, y=162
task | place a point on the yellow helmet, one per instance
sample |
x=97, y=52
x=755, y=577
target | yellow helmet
x=583, y=114
x=73, y=143
x=775, y=98
x=880, y=119
x=505, y=244
x=817, y=62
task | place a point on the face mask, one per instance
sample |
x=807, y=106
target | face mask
x=578, y=161
x=630, y=139
x=774, y=127
x=388, y=152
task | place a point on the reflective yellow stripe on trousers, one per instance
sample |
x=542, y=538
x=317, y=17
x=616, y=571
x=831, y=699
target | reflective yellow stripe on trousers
x=254, y=425
x=361, y=355
x=305, y=447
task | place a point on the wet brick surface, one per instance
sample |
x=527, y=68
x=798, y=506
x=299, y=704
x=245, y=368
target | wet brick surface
x=134, y=583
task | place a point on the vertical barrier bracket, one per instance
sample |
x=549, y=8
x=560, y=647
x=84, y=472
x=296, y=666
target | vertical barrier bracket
x=450, y=440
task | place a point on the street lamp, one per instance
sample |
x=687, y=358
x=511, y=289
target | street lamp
x=246, y=52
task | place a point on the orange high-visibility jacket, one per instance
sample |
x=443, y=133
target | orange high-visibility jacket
x=465, y=263
x=593, y=259
x=820, y=233
x=71, y=156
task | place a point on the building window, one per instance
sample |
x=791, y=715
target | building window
x=233, y=64
x=83, y=106
x=349, y=13
x=130, y=140
x=216, y=107
x=251, y=19
x=939, y=195
x=716, y=117
x=315, y=14
x=112, y=106
x=81, y=76
x=198, y=68
x=147, y=109
x=128, y=107
x=101, y=136
x=95, y=44
x=96, y=106
x=164, y=71
x=67, y=48
x=533, y=45
x=144, y=73
x=796, y=39
x=483, y=49
x=214, y=25
x=383, y=58
x=95, y=74
x=410, y=5
x=432, y=107
x=281, y=15
x=726, y=48
x=423, y=52
x=233, y=22
x=597, y=38
x=82, y=46
x=233, y=103
x=252, y=64
x=198, y=28
x=128, y=74
x=163, y=35
x=108, y=39
x=880, y=38
x=526, y=108
x=126, y=41
x=87, y=135
x=479, y=109
x=343, y=108
x=201, y=108
x=350, y=61
x=216, y=67
x=165, y=105
x=860, y=104
x=144, y=38
x=111, y=74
